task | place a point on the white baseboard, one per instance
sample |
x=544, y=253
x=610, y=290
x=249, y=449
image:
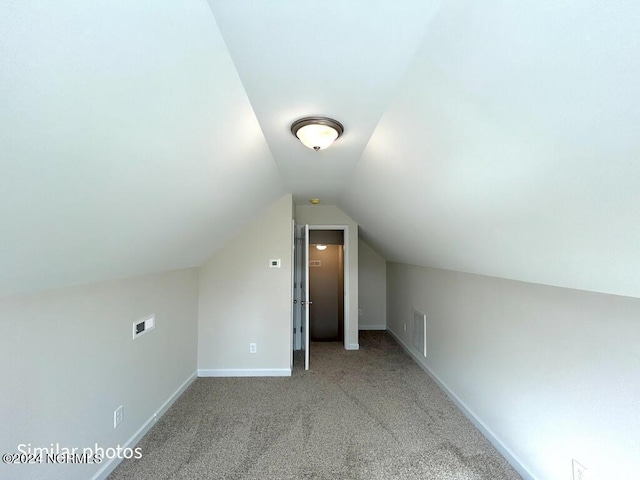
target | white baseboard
x=372, y=327
x=110, y=465
x=352, y=346
x=245, y=372
x=480, y=425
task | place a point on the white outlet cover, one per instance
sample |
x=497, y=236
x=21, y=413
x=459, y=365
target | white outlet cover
x=274, y=263
x=118, y=416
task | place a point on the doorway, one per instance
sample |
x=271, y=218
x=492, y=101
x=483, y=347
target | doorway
x=326, y=285
x=330, y=284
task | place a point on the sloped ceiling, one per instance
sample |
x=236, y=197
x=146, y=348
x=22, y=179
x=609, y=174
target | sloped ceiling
x=128, y=144
x=331, y=58
x=500, y=138
x=512, y=147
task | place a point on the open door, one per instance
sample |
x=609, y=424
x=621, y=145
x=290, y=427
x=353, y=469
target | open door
x=297, y=286
x=305, y=294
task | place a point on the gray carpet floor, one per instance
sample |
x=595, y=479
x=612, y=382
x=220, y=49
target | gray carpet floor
x=367, y=414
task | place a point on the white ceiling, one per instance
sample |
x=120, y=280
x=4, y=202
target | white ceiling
x=332, y=58
x=500, y=138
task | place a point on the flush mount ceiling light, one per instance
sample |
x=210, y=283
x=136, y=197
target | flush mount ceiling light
x=321, y=247
x=317, y=132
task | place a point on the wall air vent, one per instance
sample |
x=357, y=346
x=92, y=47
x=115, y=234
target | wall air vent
x=420, y=332
x=141, y=327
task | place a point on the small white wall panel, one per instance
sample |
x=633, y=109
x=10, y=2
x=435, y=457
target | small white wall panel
x=420, y=332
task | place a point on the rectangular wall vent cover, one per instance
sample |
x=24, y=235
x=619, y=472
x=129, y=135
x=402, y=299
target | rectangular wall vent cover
x=420, y=332
x=140, y=327
x=315, y=263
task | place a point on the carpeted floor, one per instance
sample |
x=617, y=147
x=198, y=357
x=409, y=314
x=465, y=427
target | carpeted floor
x=367, y=414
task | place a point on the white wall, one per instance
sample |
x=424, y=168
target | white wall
x=68, y=360
x=552, y=372
x=244, y=301
x=332, y=215
x=372, y=298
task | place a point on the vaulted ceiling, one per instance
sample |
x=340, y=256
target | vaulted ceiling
x=499, y=138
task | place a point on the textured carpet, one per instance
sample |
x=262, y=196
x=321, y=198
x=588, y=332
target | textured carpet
x=367, y=414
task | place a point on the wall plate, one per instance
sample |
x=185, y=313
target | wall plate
x=140, y=327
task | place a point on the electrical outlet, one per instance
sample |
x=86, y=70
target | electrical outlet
x=253, y=348
x=579, y=471
x=118, y=416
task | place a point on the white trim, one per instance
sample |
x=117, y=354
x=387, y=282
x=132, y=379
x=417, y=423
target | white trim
x=480, y=425
x=293, y=291
x=352, y=346
x=245, y=372
x=110, y=465
x=306, y=294
x=297, y=293
x=372, y=327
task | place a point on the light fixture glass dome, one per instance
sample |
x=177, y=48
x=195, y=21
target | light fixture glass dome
x=321, y=247
x=317, y=137
x=317, y=133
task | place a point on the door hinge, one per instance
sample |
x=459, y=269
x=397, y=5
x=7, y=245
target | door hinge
x=294, y=330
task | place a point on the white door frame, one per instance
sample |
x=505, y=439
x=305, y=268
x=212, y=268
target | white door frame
x=298, y=278
x=293, y=291
x=305, y=295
